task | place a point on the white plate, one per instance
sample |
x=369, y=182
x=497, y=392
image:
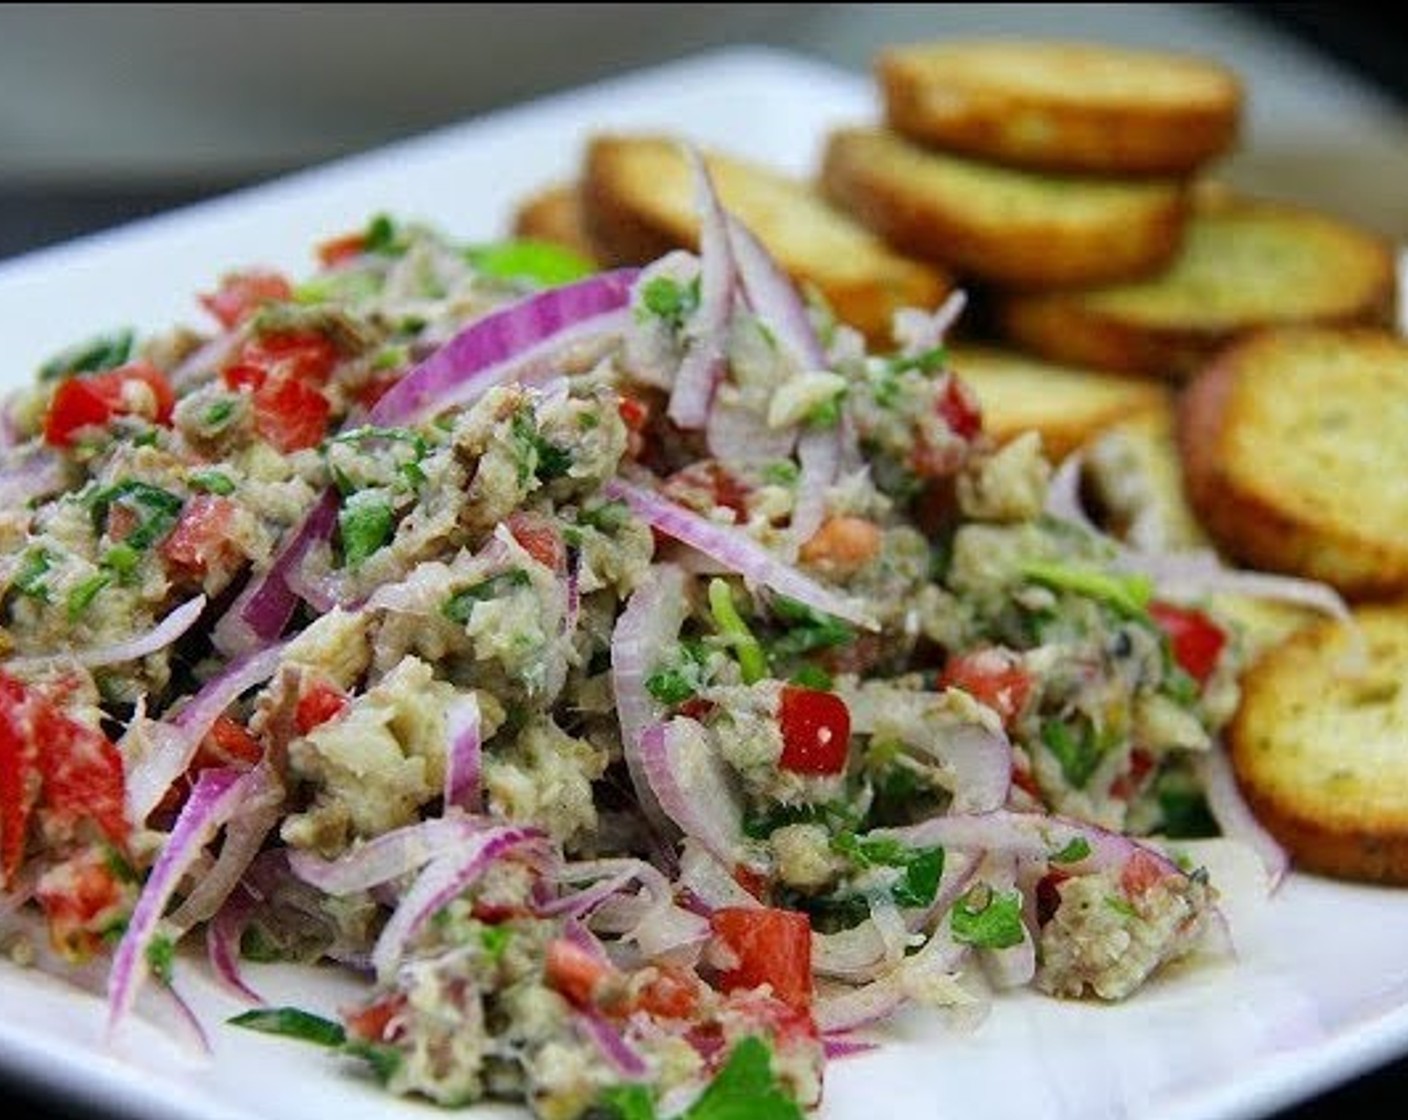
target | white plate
x=1319, y=993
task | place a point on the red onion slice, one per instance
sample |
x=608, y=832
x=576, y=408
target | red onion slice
x=1235, y=818
x=510, y=343
x=693, y=786
x=386, y=857
x=462, y=754
x=738, y=551
x=215, y=798
x=699, y=372
x=163, y=634
x=918, y=331
x=222, y=945
x=773, y=296
x=36, y=475
x=647, y=628
x=845, y=1011
x=442, y=880
x=619, y=1054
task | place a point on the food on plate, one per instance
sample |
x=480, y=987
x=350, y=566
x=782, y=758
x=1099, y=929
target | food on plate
x=1244, y=263
x=638, y=682
x=1004, y=226
x=1318, y=745
x=638, y=203
x=1068, y=406
x=1292, y=444
x=554, y=214
x=1063, y=106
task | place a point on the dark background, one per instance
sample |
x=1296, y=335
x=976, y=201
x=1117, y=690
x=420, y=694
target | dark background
x=38, y=213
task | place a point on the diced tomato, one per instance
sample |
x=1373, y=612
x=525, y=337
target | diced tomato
x=1141, y=871
x=377, y=1021
x=672, y=993
x=93, y=400
x=770, y=946
x=243, y=293
x=289, y=414
x=81, y=897
x=816, y=730
x=754, y=882
x=56, y=767
x=305, y=355
x=574, y=972
x=635, y=413
x=992, y=676
x=317, y=704
x=1141, y=763
x=200, y=539
x=707, y=483
x=1195, y=639
x=539, y=538
x=959, y=408
x=232, y=742
x=338, y=249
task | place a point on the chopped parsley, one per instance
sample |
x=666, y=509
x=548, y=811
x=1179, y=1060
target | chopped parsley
x=671, y=301
x=1078, y=751
x=292, y=1022
x=539, y=262
x=1076, y=849
x=988, y=918
x=364, y=524
x=161, y=956
x=921, y=868
x=103, y=351
x=212, y=482
x=745, y=1088
x=1126, y=593
x=459, y=606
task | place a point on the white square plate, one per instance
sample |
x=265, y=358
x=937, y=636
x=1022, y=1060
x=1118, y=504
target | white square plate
x=1319, y=992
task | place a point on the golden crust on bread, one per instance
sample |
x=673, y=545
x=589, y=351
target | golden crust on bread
x=638, y=203
x=554, y=214
x=999, y=225
x=1066, y=405
x=1063, y=106
x=1319, y=745
x=1244, y=264
x=1294, y=445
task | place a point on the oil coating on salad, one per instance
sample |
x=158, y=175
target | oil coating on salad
x=641, y=685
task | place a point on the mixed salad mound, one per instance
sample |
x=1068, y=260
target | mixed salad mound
x=639, y=683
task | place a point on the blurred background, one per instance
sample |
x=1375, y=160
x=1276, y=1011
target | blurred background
x=109, y=112
x=112, y=112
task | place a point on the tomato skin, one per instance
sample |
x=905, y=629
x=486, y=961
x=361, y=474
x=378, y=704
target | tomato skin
x=318, y=704
x=18, y=771
x=200, y=536
x=81, y=898
x=289, y=414
x=771, y=947
x=539, y=538
x=377, y=1022
x=816, y=731
x=243, y=293
x=1196, y=640
x=960, y=410
x=1141, y=872
x=337, y=250
x=305, y=355
x=992, y=676
x=574, y=972
x=673, y=993
x=93, y=400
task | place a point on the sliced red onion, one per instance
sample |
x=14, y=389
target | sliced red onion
x=848, y=1010
x=262, y=610
x=215, y=798
x=647, y=629
x=386, y=857
x=708, y=881
x=613, y=877
x=1235, y=818
x=208, y=357
x=37, y=474
x=261, y=811
x=509, y=343
x=174, y=741
x=739, y=436
x=819, y=454
x=838, y=1045
x=222, y=945
x=170, y=628
x=693, y=786
x=619, y=1054
x=980, y=760
x=918, y=331
x=773, y=296
x=699, y=372
x=1014, y=965
x=462, y=754
x=445, y=878
x=740, y=552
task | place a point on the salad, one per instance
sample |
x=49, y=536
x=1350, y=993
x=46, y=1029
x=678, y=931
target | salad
x=644, y=686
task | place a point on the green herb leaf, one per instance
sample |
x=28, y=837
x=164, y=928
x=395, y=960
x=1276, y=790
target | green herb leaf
x=1075, y=850
x=459, y=606
x=752, y=661
x=364, y=526
x=81, y=595
x=103, y=351
x=670, y=300
x=606, y=517
x=808, y=629
x=211, y=482
x=744, y=1089
x=631, y=1101
x=384, y=1060
x=161, y=955
x=292, y=1022
x=1127, y=593
x=1078, y=753
x=670, y=686
x=157, y=509
x=539, y=262
x=29, y=578
x=987, y=918
x=381, y=236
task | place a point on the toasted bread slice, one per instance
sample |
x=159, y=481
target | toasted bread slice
x=638, y=203
x=1134, y=479
x=1003, y=226
x=1068, y=406
x=1319, y=745
x=1063, y=106
x=1244, y=263
x=1294, y=445
x=554, y=214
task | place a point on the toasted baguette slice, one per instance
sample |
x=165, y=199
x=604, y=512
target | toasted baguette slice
x=638, y=203
x=1134, y=479
x=1294, y=445
x=1319, y=745
x=554, y=214
x=1244, y=263
x=1063, y=106
x=1068, y=406
x=1008, y=227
